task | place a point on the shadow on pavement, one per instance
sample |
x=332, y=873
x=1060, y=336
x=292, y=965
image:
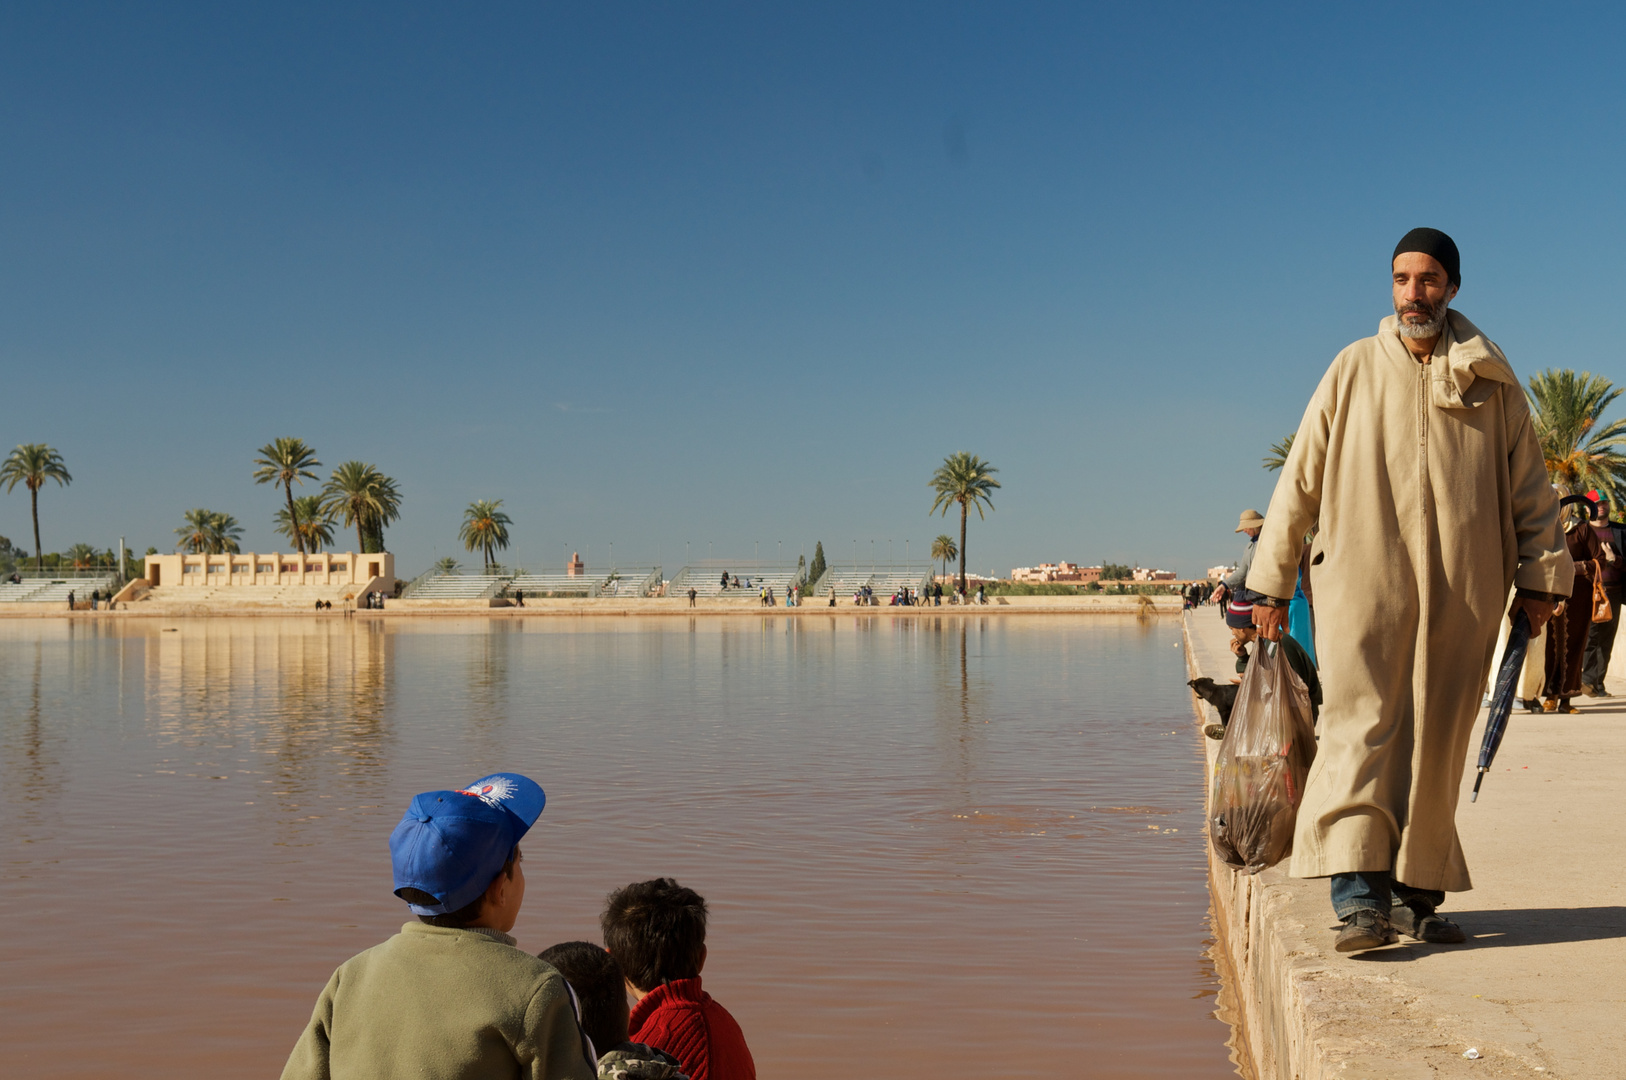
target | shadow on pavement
x=1514, y=927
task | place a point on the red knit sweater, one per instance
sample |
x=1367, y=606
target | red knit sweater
x=683, y=1020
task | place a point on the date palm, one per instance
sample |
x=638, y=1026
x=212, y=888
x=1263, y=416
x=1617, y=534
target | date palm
x=363, y=497
x=485, y=528
x=31, y=464
x=286, y=462
x=210, y=532
x=308, y=524
x=964, y=480
x=82, y=556
x=944, y=549
x=1581, y=451
x=1277, y=457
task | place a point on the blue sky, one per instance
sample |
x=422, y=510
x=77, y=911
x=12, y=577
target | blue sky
x=657, y=274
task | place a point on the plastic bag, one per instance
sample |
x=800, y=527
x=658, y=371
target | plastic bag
x=1262, y=763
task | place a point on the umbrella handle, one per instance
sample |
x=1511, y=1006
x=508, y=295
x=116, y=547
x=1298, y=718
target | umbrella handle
x=1475, y=796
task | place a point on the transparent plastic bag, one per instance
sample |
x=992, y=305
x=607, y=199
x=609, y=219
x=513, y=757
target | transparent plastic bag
x=1262, y=763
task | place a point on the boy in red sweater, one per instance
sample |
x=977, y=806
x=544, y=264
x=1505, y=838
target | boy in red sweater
x=656, y=930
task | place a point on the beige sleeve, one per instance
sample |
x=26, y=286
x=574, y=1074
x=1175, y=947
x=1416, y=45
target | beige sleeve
x=1544, y=558
x=555, y=1050
x=309, y=1061
x=1297, y=502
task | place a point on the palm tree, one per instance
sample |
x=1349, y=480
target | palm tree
x=210, y=532
x=287, y=461
x=31, y=464
x=969, y=481
x=363, y=497
x=309, y=525
x=1566, y=410
x=944, y=549
x=485, y=528
x=82, y=556
x=1278, y=453
x=446, y=565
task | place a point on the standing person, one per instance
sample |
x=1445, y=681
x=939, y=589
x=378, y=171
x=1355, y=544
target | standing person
x=1600, y=645
x=70, y=599
x=1567, y=633
x=1249, y=523
x=1418, y=458
x=692, y=595
x=450, y=995
x=725, y=579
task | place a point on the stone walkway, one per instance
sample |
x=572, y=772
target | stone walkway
x=1539, y=989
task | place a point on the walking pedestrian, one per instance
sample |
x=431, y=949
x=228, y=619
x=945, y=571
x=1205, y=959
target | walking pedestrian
x=1567, y=633
x=1418, y=458
x=1600, y=645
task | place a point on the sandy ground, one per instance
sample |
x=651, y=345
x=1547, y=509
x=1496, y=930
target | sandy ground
x=1538, y=990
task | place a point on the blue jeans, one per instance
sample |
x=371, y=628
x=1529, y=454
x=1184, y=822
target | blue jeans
x=1376, y=890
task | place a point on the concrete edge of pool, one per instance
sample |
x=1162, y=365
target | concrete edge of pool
x=653, y=606
x=1305, y=1012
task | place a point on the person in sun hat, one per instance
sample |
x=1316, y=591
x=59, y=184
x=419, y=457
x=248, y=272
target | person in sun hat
x=1233, y=584
x=450, y=997
x=1418, y=460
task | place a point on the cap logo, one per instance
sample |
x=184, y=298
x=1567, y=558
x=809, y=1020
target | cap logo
x=491, y=791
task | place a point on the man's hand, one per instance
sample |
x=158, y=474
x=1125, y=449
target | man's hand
x=1214, y=597
x=1537, y=611
x=1270, y=621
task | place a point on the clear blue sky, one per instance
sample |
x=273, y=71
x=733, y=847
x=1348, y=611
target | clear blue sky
x=657, y=273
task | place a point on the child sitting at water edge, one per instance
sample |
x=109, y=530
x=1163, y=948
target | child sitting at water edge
x=601, y=994
x=450, y=996
x=1239, y=617
x=656, y=930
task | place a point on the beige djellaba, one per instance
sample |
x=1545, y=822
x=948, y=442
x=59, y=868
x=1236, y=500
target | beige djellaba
x=1433, y=500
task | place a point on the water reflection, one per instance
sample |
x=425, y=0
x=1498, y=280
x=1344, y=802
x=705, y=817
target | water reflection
x=902, y=825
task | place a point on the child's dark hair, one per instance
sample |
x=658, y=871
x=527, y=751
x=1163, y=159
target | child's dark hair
x=657, y=930
x=598, y=982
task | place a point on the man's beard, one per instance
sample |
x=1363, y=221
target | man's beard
x=1431, y=328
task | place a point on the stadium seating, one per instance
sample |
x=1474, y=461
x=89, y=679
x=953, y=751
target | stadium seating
x=54, y=590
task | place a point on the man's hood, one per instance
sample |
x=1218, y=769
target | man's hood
x=1470, y=371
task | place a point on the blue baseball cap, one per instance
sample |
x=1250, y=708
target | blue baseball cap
x=451, y=844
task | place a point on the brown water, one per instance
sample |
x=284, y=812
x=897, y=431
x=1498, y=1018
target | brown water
x=947, y=847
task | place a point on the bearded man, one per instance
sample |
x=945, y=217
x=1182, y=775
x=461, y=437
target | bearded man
x=1417, y=459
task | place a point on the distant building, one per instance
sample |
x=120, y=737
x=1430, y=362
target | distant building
x=1148, y=574
x=249, y=569
x=575, y=567
x=1058, y=571
x=1217, y=573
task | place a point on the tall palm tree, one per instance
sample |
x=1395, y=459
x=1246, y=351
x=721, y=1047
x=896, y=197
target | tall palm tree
x=31, y=464
x=1278, y=452
x=1581, y=452
x=210, y=532
x=969, y=481
x=309, y=525
x=944, y=549
x=286, y=462
x=485, y=528
x=364, y=498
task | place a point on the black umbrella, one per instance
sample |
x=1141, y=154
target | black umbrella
x=1507, y=681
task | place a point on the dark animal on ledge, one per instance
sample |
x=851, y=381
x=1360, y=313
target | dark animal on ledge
x=1220, y=695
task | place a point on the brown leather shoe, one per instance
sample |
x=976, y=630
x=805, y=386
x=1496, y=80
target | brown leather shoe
x=1366, y=929
x=1433, y=927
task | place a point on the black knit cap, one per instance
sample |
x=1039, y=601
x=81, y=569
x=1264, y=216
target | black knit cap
x=1438, y=246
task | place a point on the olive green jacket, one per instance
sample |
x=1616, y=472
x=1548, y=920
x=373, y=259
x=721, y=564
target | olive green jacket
x=441, y=1004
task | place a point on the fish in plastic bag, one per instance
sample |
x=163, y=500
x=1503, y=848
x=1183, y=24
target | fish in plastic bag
x=1262, y=763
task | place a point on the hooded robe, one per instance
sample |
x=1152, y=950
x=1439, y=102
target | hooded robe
x=1433, y=500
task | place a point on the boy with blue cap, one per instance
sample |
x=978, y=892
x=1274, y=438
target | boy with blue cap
x=450, y=997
